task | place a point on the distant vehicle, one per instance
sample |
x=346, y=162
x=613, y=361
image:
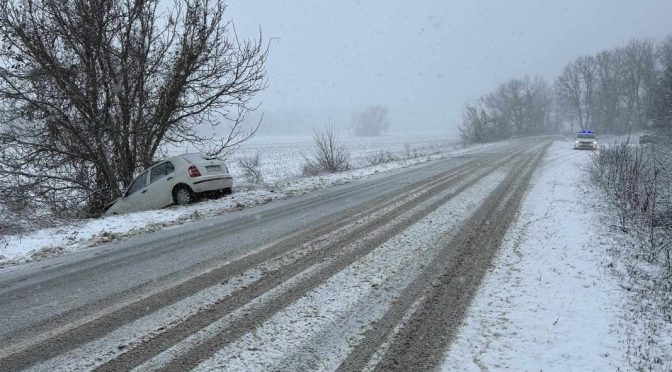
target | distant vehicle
x=585, y=140
x=177, y=180
x=647, y=137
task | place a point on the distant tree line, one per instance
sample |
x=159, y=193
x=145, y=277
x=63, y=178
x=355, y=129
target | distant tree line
x=516, y=106
x=615, y=91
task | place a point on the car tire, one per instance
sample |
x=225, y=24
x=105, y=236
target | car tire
x=182, y=195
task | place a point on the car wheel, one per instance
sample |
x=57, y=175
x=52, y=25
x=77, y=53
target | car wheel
x=183, y=195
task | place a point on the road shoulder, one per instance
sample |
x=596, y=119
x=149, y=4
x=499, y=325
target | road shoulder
x=549, y=302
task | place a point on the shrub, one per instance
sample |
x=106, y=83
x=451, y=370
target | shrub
x=637, y=178
x=382, y=157
x=638, y=181
x=329, y=155
x=251, y=166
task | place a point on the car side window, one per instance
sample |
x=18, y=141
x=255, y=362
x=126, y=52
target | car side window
x=138, y=184
x=161, y=171
x=157, y=172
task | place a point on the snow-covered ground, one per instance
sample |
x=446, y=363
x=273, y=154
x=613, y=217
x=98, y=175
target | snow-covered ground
x=555, y=298
x=551, y=301
x=282, y=159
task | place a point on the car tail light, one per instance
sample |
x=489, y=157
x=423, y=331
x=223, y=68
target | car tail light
x=193, y=171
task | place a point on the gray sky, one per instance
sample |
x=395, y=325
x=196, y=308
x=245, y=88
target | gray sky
x=424, y=59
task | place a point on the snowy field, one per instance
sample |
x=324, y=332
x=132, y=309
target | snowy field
x=552, y=301
x=282, y=159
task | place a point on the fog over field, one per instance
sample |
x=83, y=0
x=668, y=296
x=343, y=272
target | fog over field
x=423, y=60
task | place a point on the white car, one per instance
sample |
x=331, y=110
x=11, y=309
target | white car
x=585, y=140
x=177, y=180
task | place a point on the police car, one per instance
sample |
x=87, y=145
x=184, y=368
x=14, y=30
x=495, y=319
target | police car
x=586, y=140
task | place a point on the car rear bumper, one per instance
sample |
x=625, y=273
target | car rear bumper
x=213, y=183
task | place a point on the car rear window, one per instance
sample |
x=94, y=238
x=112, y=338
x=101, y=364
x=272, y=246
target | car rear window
x=194, y=157
x=584, y=135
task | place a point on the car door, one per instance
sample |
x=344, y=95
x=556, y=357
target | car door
x=134, y=198
x=160, y=188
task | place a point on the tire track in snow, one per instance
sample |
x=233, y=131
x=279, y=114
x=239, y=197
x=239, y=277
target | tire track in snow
x=82, y=334
x=315, y=333
x=358, y=243
x=446, y=286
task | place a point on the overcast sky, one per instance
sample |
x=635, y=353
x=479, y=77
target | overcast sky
x=424, y=59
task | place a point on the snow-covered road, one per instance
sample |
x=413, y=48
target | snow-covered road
x=488, y=261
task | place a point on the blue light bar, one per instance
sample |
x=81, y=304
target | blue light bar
x=585, y=131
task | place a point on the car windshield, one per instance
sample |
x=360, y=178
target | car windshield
x=586, y=136
x=138, y=184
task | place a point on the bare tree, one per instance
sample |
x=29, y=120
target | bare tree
x=477, y=126
x=638, y=81
x=662, y=100
x=90, y=90
x=662, y=107
x=576, y=85
x=373, y=121
x=251, y=166
x=570, y=90
x=329, y=154
x=505, y=107
x=664, y=53
x=608, y=93
x=537, y=104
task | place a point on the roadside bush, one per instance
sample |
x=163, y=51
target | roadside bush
x=637, y=180
x=20, y=216
x=411, y=152
x=382, y=157
x=251, y=166
x=329, y=155
x=10, y=226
